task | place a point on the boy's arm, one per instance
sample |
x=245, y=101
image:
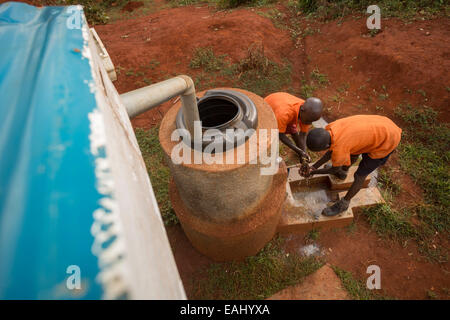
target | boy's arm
x=326, y=157
x=302, y=154
x=331, y=170
x=300, y=140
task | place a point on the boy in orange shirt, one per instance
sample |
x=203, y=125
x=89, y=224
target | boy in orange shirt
x=375, y=137
x=290, y=110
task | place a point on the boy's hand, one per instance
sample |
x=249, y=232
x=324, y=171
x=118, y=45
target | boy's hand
x=304, y=157
x=307, y=171
x=304, y=170
x=312, y=170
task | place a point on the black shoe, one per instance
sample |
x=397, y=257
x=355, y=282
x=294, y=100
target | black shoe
x=336, y=208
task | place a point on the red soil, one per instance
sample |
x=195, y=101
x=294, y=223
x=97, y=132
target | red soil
x=170, y=37
x=405, y=274
x=402, y=58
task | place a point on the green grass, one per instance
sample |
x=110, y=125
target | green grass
x=356, y=288
x=390, y=188
x=351, y=228
x=383, y=96
x=95, y=11
x=426, y=147
x=204, y=58
x=255, y=72
x=329, y=10
x=276, y=16
x=258, y=277
x=391, y=223
x=228, y=4
x=343, y=88
x=432, y=295
x=182, y=3
x=317, y=80
x=320, y=78
x=158, y=172
x=336, y=98
x=115, y=13
x=424, y=155
x=307, y=89
x=312, y=235
x=260, y=75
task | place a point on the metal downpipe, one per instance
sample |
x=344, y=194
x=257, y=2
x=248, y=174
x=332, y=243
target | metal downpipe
x=143, y=99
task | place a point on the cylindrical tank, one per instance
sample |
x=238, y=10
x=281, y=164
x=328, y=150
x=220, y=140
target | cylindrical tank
x=228, y=210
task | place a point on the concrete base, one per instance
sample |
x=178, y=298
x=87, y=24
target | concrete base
x=364, y=198
x=302, y=216
x=234, y=240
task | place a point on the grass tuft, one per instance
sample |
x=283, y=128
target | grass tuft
x=330, y=10
x=256, y=72
x=356, y=288
x=390, y=223
x=258, y=277
x=425, y=157
x=259, y=74
x=206, y=59
x=158, y=172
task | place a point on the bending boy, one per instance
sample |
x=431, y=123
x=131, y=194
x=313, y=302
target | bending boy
x=375, y=137
x=290, y=110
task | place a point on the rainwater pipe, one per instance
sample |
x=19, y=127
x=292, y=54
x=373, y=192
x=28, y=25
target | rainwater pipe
x=140, y=100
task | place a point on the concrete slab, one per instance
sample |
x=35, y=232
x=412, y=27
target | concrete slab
x=293, y=221
x=340, y=221
x=323, y=284
x=337, y=184
x=364, y=198
x=306, y=198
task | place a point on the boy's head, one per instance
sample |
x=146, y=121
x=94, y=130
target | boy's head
x=311, y=110
x=318, y=139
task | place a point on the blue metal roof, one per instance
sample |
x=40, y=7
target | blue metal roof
x=47, y=174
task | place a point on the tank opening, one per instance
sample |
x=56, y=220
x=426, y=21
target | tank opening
x=216, y=112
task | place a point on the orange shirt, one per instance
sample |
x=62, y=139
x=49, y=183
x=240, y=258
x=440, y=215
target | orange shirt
x=375, y=135
x=286, y=108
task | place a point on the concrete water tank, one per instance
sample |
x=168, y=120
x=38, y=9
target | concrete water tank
x=228, y=210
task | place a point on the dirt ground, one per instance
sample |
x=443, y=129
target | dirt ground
x=404, y=58
x=134, y=45
x=404, y=273
x=405, y=62
x=367, y=74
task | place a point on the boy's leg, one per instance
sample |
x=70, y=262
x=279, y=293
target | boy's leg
x=366, y=166
x=355, y=187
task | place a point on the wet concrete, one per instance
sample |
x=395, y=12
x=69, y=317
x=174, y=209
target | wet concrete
x=311, y=199
x=307, y=197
